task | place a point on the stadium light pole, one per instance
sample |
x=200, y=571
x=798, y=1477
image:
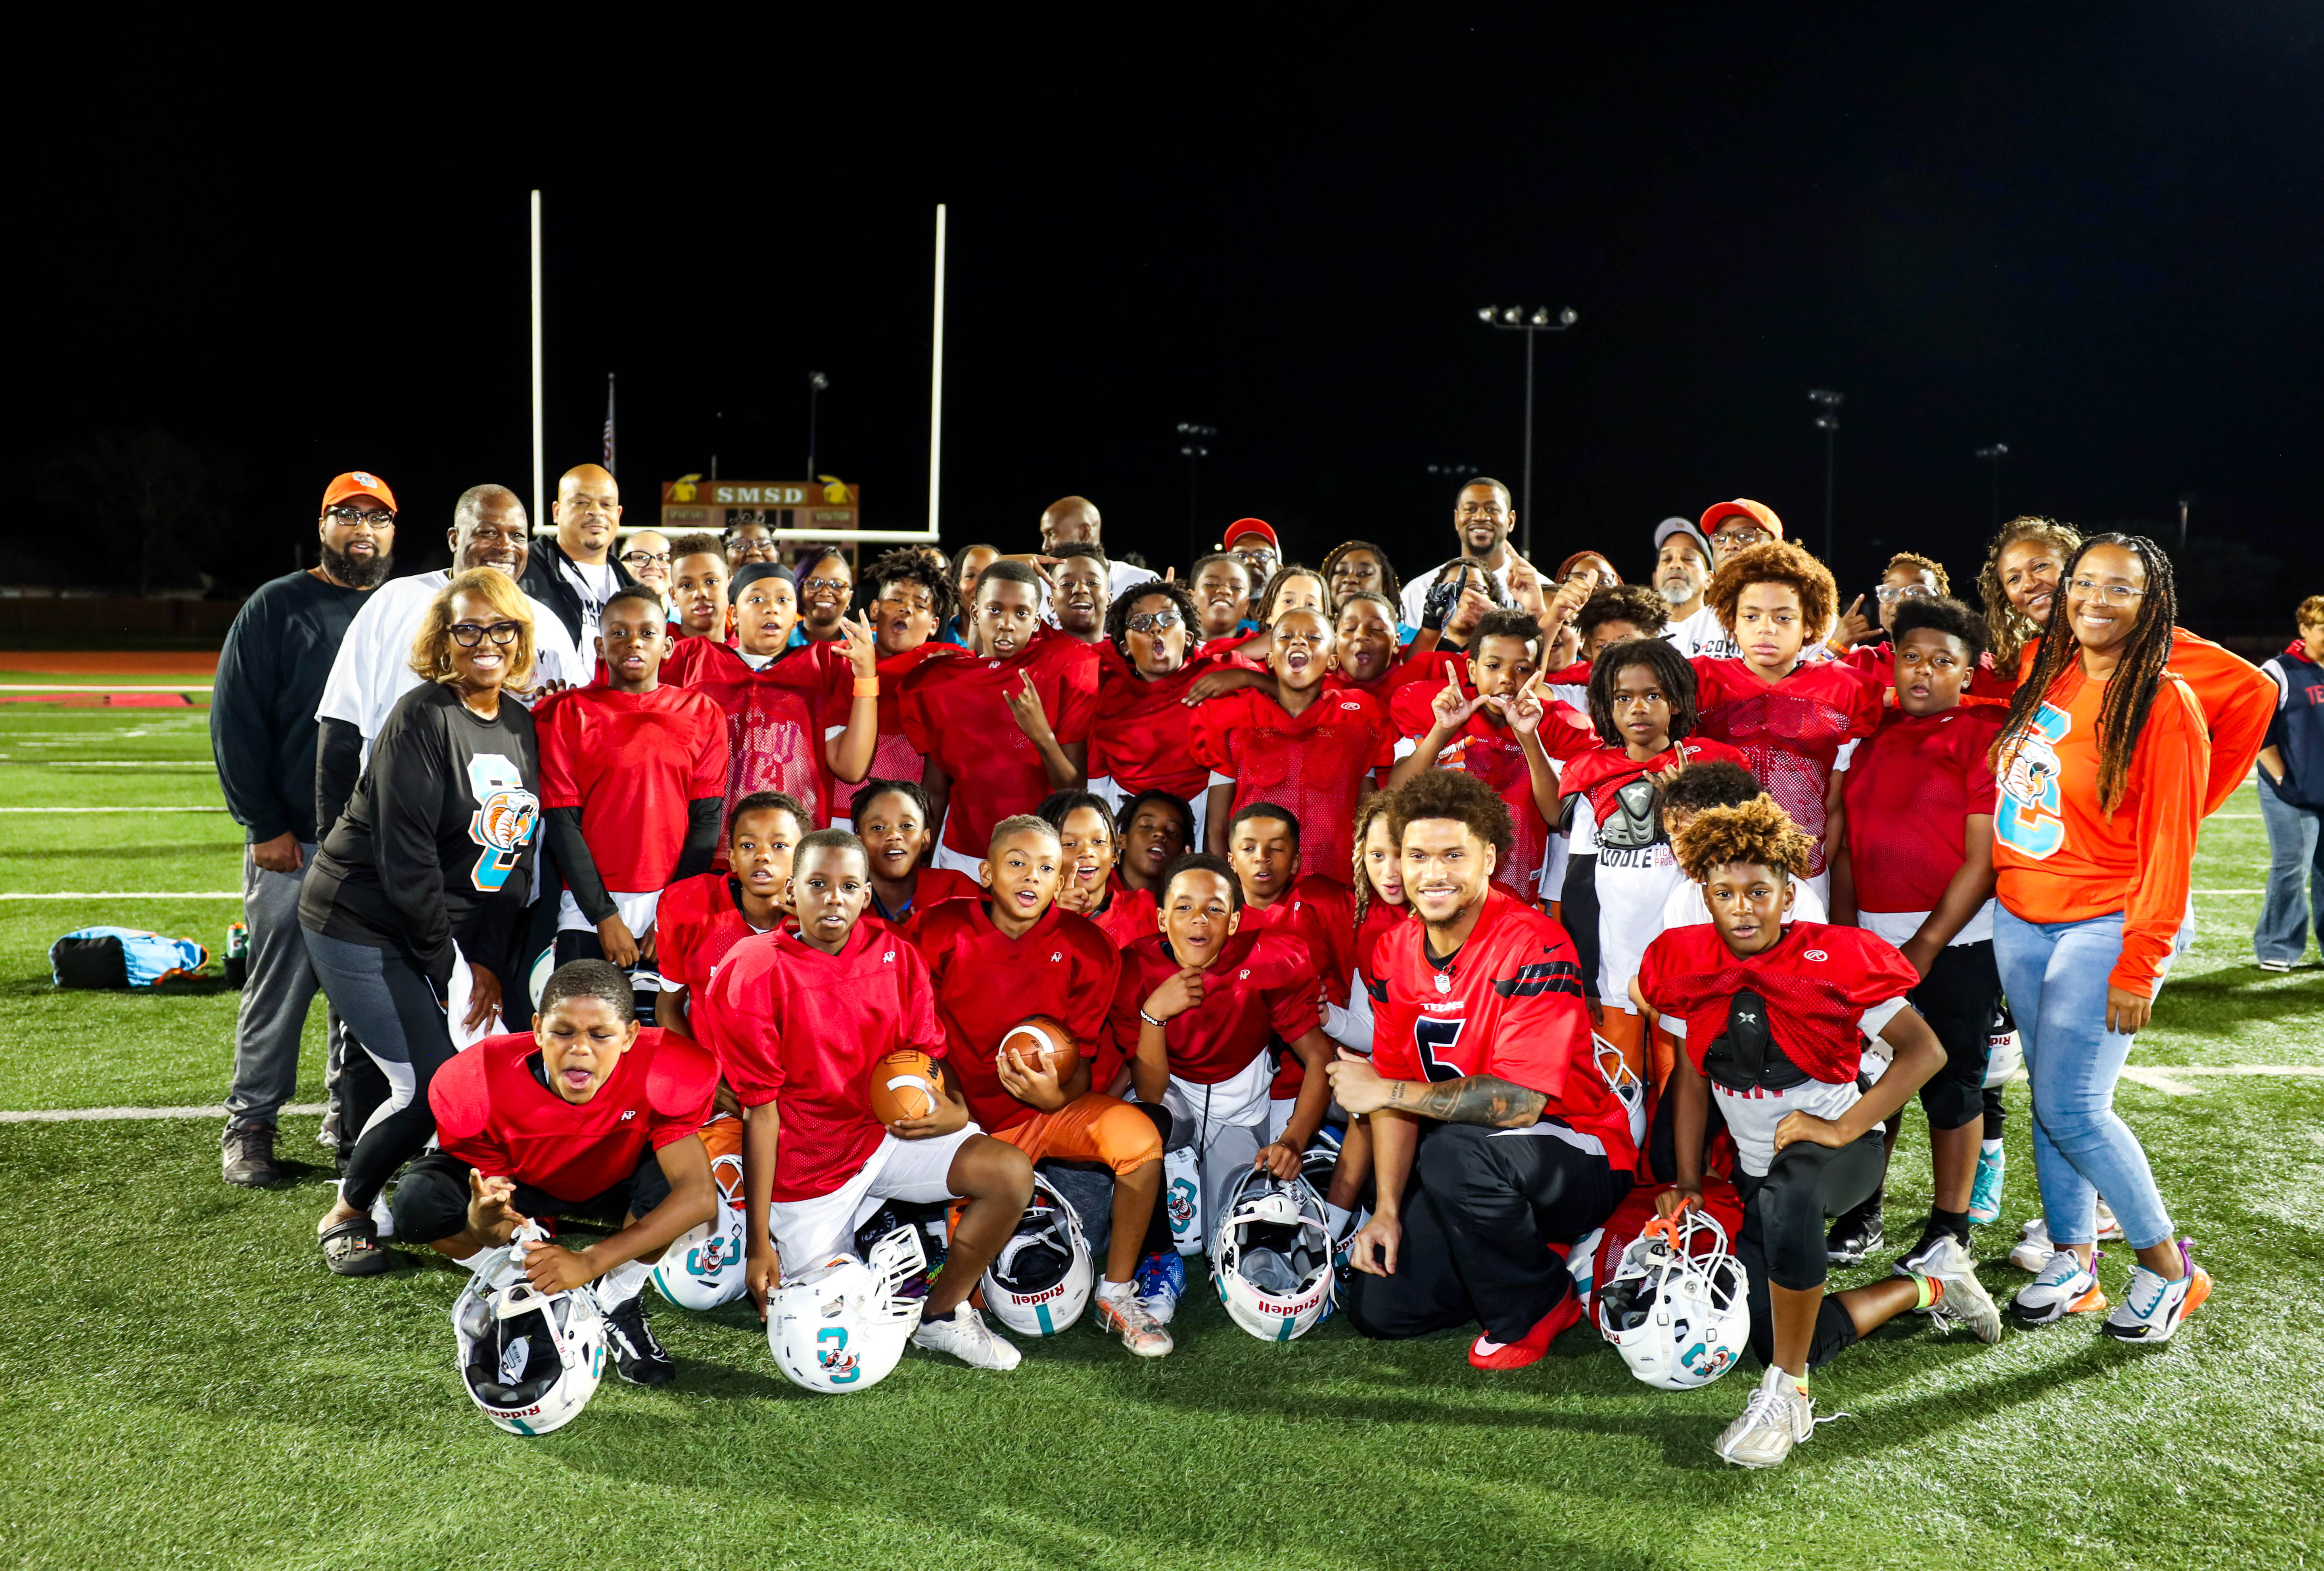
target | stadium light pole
x=1994, y=456
x=1531, y=323
x=540, y=444
x=816, y=383
x=1827, y=420
x=935, y=382
x=1190, y=446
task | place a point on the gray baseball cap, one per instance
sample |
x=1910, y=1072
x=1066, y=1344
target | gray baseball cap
x=1669, y=527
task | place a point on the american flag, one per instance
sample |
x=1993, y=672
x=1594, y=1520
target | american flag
x=609, y=424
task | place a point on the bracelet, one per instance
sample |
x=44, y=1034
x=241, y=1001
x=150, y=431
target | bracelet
x=1148, y=1018
x=867, y=688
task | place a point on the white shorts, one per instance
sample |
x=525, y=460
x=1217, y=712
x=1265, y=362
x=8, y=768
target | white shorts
x=807, y=1233
x=636, y=912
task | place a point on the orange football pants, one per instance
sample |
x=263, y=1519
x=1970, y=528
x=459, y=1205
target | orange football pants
x=1092, y=1127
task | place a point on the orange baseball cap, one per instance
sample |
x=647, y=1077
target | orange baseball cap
x=1746, y=508
x=1260, y=527
x=358, y=482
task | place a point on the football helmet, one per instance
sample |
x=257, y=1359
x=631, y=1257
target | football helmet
x=1181, y=1198
x=1624, y=1082
x=842, y=1325
x=1678, y=1306
x=530, y=1361
x=1041, y=1281
x=1273, y=1257
x=702, y=1267
x=2003, y=1057
x=1582, y=1263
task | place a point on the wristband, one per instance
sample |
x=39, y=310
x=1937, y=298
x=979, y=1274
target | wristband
x=1148, y=1018
x=867, y=688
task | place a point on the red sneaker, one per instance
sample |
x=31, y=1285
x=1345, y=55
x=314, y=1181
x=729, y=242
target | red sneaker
x=1529, y=1348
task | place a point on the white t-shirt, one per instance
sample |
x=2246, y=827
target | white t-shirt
x=1416, y=594
x=1634, y=886
x=1897, y=926
x=1701, y=634
x=373, y=668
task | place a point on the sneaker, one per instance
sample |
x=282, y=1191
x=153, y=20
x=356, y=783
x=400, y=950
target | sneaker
x=2276, y=965
x=248, y=1156
x=1964, y=1301
x=1778, y=1417
x=1530, y=1348
x=2152, y=1309
x=965, y=1335
x=2065, y=1286
x=637, y=1357
x=1855, y=1234
x=1984, y=1198
x=1161, y=1281
x=1126, y=1316
x=2109, y=1227
x=2033, y=1245
x=1915, y=1260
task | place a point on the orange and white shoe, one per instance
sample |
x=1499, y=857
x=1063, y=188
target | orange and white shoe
x=2154, y=1307
x=2065, y=1286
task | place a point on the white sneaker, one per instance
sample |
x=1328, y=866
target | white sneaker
x=1964, y=1301
x=1778, y=1417
x=2065, y=1286
x=2152, y=1309
x=1126, y=1316
x=2109, y=1228
x=965, y=1335
x=2033, y=1245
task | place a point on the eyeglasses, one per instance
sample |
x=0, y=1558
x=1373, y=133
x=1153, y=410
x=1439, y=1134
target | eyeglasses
x=2114, y=593
x=1744, y=536
x=633, y=560
x=1889, y=593
x=468, y=635
x=359, y=517
x=807, y=586
x=1152, y=621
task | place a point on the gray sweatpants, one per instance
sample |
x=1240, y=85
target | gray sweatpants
x=275, y=995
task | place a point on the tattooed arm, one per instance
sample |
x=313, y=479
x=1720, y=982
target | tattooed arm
x=1487, y=1099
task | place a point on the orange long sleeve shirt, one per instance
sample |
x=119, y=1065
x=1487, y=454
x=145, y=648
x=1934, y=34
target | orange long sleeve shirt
x=2237, y=701
x=2058, y=857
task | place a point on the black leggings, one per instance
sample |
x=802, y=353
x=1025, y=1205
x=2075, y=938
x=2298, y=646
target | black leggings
x=1961, y=998
x=1784, y=1215
x=393, y=1012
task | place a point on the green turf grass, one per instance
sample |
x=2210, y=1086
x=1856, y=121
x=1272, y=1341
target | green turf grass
x=182, y=1384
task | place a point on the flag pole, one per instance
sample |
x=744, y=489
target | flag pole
x=609, y=424
x=540, y=467
x=935, y=382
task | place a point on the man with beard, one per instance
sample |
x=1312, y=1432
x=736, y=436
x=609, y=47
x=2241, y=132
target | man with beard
x=1482, y=518
x=263, y=731
x=1682, y=572
x=574, y=574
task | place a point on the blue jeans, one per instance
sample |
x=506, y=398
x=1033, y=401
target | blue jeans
x=2295, y=880
x=2055, y=975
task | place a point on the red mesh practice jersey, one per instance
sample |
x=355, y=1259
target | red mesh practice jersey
x=1789, y=732
x=632, y=762
x=1261, y=986
x=1139, y=740
x=1493, y=754
x=1127, y=914
x=1312, y=763
x=799, y=1028
x=896, y=757
x=986, y=982
x=1910, y=788
x=1429, y=667
x=1877, y=663
x=1321, y=916
x=775, y=720
x=698, y=921
x=955, y=713
x=493, y=1114
x=1506, y=1004
x=1818, y=982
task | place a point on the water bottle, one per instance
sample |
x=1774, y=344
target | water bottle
x=237, y=953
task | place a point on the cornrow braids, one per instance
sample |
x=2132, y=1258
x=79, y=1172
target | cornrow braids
x=1388, y=580
x=2137, y=676
x=2011, y=632
x=1757, y=833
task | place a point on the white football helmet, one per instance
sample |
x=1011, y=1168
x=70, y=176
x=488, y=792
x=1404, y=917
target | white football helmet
x=1041, y=1281
x=530, y=1361
x=1582, y=1263
x=1679, y=1318
x=842, y=1327
x=701, y=1268
x=2004, y=1058
x=1624, y=1082
x=1273, y=1257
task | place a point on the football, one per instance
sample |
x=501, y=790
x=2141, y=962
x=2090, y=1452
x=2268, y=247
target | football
x=902, y=1085
x=1041, y=1035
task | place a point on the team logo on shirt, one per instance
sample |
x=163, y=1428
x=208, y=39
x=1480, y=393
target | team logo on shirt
x=628, y=1114
x=1813, y=954
x=506, y=815
x=1351, y=703
x=2033, y=821
x=1443, y=983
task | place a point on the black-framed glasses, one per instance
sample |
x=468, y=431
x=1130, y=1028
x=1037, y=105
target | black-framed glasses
x=468, y=635
x=633, y=560
x=1152, y=621
x=1890, y=593
x=357, y=518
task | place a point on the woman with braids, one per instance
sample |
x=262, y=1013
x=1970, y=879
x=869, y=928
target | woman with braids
x=1778, y=1012
x=2101, y=763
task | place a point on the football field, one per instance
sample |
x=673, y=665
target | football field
x=182, y=1382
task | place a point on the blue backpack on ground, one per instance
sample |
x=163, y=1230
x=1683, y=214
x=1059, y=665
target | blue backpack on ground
x=123, y=957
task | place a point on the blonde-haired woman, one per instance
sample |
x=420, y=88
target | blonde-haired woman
x=423, y=878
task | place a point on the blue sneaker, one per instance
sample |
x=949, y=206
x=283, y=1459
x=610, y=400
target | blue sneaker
x=1985, y=1199
x=1161, y=1281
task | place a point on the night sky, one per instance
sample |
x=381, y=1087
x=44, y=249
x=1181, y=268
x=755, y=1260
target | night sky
x=2096, y=239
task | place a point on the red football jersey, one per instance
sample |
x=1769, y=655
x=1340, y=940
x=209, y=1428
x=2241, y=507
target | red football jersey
x=799, y=1028
x=955, y=713
x=1495, y=755
x=986, y=982
x=492, y=1114
x=1910, y=788
x=1818, y=982
x=1127, y=914
x=775, y=721
x=1506, y=1004
x=698, y=920
x=1429, y=667
x=1380, y=918
x=931, y=888
x=1138, y=739
x=1313, y=763
x=632, y=762
x=689, y=657
x=1877, y=663
x=1790, y=732
x=895, y=758
x=1321, y=916
x=1602, y=771
x=1261, y=986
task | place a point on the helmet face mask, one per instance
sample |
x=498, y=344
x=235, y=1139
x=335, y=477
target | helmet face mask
x=1678, y=1306
x=842, y=1327
x=529, y=1361
x=1272, y=1258
x=1624, y=1082
x=1040, y=1281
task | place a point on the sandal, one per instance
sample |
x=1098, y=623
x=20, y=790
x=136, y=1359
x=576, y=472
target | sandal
x=351, y=1248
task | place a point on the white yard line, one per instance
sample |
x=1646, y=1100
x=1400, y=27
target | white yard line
x=2226, y=891
x=112, y=809
x=128, y=894
x=2172, y=1078
x=108, y=1115
x=104, y=687
x=209, y=764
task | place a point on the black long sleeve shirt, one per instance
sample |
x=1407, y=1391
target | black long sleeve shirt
x=270, y=678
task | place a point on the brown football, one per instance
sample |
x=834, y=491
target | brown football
x=901, y=1085
x=1040, y=1034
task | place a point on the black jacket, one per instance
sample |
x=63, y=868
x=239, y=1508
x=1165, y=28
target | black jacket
x=270, y=673
x=546, y=583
